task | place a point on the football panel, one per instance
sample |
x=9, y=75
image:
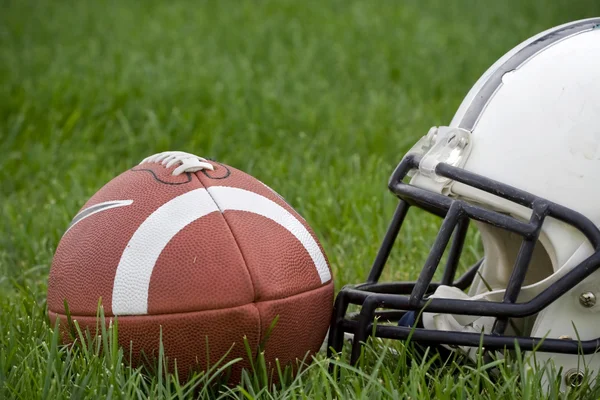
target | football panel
x=86, y=259
x=225, y=175
x=279, y=263
x=301, y=327
x=184, y=337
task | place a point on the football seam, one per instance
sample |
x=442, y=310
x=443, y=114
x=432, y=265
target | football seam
x=234, y=240
x=189, y=176
x=254, y=303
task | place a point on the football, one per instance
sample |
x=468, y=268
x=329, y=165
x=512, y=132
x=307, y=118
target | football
x=197, y=250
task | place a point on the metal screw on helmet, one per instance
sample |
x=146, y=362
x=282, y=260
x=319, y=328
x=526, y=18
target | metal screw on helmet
x=454, y=141
x=565, y=337
x=574, y=378
x=587, y=299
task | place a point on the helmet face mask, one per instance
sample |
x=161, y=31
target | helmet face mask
x=413, y=296
x=541, y=244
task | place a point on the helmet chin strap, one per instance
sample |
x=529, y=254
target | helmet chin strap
x=457, y=322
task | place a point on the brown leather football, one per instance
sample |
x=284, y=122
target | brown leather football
x=201, y=249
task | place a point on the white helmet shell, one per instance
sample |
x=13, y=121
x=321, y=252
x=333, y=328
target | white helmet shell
x=534, y=124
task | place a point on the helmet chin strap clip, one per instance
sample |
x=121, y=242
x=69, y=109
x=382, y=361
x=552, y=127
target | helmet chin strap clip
x=442, y=144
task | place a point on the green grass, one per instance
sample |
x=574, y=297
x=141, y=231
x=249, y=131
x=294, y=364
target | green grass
x=319, y=101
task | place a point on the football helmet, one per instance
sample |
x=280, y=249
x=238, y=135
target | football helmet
x=521, y=160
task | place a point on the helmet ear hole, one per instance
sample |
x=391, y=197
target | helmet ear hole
x=501, y=248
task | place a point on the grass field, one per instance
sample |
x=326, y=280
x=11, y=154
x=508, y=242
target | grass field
x=317, y=100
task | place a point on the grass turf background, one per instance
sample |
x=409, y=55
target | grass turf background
x=319, y=100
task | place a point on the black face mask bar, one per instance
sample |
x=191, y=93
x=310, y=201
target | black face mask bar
x=397, y=298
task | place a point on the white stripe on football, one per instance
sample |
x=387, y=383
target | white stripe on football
x=132, y=279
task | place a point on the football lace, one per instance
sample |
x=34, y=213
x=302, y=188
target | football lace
x=189, y=162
